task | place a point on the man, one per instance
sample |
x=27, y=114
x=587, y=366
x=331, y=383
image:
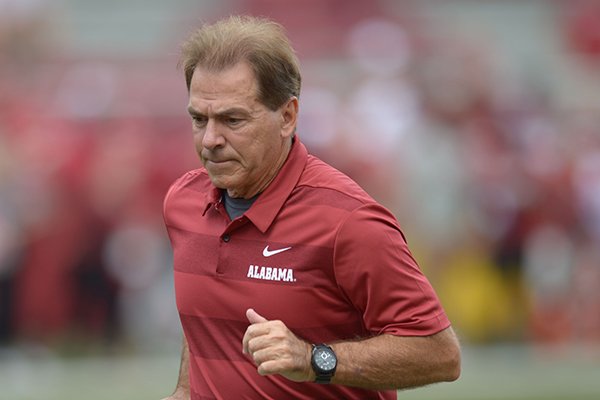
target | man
x=291, y=282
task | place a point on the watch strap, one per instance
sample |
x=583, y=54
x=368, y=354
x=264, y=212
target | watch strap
x=323, y=379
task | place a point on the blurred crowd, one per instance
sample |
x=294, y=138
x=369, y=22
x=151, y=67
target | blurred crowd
x=493, y=176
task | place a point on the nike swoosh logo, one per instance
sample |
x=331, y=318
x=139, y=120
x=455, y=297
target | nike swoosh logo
x=269, y=253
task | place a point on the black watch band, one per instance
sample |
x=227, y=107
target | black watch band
x=323, y=379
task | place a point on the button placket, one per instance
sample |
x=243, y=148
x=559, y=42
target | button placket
x=226, y=238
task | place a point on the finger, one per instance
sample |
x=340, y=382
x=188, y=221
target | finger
x=270, y=367
x=254, y=330
x=254, y=317
x=256, y=337
x=245, y=342
x=259, y=356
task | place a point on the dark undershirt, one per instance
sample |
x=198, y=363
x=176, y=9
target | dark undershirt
x=236, y=206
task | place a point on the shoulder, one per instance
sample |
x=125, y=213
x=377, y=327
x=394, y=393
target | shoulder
x=191, y=179
x=323, y=183
x=196, y=180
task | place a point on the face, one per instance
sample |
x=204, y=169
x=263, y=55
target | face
x=240, y=141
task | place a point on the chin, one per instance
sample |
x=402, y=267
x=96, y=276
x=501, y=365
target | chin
x=221, y=182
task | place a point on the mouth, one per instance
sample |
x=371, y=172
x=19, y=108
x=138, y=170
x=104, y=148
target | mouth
x=216, y=161
x=216, y=164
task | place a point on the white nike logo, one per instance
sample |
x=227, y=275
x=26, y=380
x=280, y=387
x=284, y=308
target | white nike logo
x=269, y=253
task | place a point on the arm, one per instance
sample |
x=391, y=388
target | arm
x=398, y=362
x=380, y=363
x=182, y=390
x=393, y=297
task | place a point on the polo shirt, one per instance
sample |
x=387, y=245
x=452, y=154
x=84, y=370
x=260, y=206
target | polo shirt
x=314, y=251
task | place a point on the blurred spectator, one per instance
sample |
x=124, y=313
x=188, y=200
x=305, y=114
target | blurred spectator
x=582, y=20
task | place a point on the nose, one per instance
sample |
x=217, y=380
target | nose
x=212, y=137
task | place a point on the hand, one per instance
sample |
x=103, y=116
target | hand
x=275, y=349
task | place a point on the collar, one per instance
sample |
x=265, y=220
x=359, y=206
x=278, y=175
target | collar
x=271, y=200
x=213, y=197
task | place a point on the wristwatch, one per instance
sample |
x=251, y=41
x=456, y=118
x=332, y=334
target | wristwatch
x=323, y=362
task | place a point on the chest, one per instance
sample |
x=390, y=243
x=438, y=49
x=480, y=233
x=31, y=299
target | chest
x=244, y=254
x=222, y=268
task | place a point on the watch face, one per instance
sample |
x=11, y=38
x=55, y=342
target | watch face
x=325, y=359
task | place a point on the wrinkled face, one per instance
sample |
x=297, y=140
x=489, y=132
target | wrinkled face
x=240, y=141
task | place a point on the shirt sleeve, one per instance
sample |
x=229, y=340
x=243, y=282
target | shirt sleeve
x=377, y=272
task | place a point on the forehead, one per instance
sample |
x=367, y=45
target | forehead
x=235, y=85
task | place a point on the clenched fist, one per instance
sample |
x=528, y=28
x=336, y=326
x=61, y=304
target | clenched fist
x=276, y=350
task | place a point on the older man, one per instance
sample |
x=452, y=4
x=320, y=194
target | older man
x=291, y=282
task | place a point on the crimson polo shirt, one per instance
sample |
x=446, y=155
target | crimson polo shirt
x=314, y=251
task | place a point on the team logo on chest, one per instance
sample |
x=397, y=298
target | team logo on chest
x=271, y=273
x=279, y=274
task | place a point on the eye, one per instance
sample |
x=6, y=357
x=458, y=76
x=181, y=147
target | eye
x=199, y=121
x=231, y=121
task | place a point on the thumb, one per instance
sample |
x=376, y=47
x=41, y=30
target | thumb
x=254, y=317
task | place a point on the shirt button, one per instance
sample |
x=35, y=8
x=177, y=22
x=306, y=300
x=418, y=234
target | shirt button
x=226, y=238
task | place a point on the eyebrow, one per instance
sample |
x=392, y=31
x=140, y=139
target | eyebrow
x=229, y=111
x=192, y=111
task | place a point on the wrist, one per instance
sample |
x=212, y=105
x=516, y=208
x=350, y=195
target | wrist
x=323, y=363
x=310, y=373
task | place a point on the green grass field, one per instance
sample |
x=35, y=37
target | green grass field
x=489, y=373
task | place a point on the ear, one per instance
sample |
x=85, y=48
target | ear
x=289, y=117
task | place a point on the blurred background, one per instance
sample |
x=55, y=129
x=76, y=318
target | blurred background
x=476, y=122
